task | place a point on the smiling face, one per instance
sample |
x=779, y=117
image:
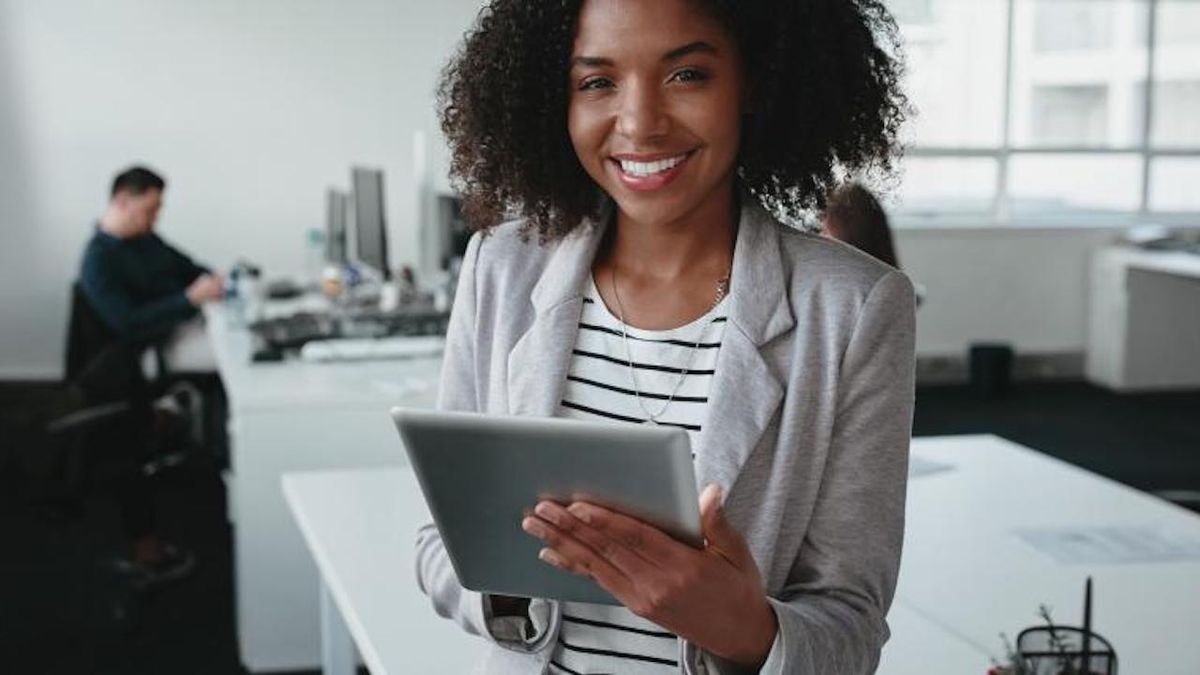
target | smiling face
x=656, y=89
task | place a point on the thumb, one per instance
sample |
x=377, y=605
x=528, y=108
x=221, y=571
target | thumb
x=718, y=533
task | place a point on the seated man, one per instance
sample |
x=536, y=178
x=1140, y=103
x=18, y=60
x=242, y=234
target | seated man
x=140, y=288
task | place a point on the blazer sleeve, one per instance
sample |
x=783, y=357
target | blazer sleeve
x=831, y=612
x=435, y=574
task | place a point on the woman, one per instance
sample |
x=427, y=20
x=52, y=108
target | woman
x=855, y=216
x=638, y=140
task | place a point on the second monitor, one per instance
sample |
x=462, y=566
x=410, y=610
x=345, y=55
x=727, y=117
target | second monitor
x=370, y=228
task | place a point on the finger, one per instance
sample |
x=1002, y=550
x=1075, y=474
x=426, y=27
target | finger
x=570, y=554
x=720, y=536
x=609, y=578
x=647, y=541
x=614, y=551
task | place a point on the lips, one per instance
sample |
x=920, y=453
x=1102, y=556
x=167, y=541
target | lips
x=647, y=173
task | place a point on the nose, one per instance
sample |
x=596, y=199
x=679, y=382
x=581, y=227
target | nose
x=642, y=115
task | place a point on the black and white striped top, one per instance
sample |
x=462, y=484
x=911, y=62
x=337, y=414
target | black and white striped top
x=601, y=638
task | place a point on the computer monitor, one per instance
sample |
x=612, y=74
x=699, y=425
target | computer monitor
x=370, y=231
x=450, y=229
x=337, y=203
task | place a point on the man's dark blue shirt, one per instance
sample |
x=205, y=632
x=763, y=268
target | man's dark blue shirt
x=137, y=284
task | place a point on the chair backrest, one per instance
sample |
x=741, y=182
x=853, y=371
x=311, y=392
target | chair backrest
x=88, y=336
x=98, y=361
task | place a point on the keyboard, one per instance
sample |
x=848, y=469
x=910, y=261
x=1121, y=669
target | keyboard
x=373, y=349
x=294, y=332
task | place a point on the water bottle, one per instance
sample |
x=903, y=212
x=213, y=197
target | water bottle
x=314, y=256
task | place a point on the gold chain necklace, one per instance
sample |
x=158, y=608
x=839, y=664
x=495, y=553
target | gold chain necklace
x=652, y=418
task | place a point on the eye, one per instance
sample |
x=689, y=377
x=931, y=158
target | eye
x=593, y=83
x=689, y=75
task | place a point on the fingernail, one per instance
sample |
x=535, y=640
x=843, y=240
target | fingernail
x=581, y=513
x=545, y=510
x=550, y=557
x=532, y=526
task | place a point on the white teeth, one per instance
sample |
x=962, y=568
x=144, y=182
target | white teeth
x=642, y=169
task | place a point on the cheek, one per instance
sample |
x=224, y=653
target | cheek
x=723, y=123
x=586, y=129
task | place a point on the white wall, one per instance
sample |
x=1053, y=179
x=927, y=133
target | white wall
x=1024, y=286
x=250, y=108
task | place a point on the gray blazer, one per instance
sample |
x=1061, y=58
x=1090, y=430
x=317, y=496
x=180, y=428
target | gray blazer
x=811, y=412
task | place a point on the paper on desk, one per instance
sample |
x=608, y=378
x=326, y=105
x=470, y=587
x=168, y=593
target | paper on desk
x=1111, y=545
x=918, y=467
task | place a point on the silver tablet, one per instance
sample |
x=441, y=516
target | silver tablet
x=480, y=475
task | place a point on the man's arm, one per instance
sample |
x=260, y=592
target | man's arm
x=182, y=266
x=129, y=319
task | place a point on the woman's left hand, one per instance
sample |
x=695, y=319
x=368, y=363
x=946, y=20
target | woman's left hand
x=712, y=597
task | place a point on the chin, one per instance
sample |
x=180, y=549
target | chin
x=653, y=210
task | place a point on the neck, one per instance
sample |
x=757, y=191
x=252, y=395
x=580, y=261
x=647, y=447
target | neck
x=702, y=239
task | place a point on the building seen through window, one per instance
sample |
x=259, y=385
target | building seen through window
x=1033, y=110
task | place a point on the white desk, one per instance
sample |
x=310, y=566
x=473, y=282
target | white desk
x=360, y=528
x=964, y=566
x=292, y=416
x=965, y=576
x=1144, y=320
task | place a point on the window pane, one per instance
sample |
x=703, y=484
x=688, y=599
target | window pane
x=1064, y=25
x=912, y=11
x=1173, y=184
x=955, y=75
x=1050, y=185
x=1177, y=75
x=1077, y=70
x=947, y=185
x=1069, y=115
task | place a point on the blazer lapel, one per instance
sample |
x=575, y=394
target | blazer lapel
x=538, y=362
x=745, y=393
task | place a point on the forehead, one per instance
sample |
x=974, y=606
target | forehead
x=149, y=197
x=644, y=28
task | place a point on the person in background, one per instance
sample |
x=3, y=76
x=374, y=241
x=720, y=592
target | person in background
x=138, y=288
x=854, y=215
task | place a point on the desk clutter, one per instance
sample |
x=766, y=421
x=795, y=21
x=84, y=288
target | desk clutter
x=360, y=334
x=1054, y=649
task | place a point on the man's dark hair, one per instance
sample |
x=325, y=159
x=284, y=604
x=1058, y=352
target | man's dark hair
x=856, y=217
x=824, y=96
x=137, y=180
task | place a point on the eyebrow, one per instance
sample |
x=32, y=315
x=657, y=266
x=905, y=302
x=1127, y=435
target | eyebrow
x=697, y=47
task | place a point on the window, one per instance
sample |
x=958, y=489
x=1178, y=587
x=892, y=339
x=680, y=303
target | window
x=1063, y=25
x=954, y=63
x=1033, y=110
x=1072, y=114
x=912, y=12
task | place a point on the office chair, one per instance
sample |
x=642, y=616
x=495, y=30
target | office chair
x=66, y=433
x=110, y=371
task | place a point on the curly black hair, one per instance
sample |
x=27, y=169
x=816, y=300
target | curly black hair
x=824, y=94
